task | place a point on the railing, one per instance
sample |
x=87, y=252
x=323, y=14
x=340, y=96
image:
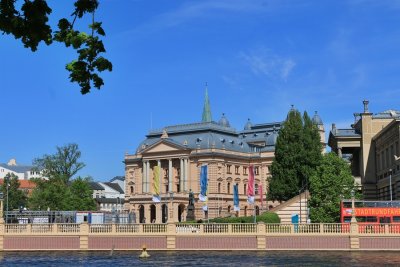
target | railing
x=361, y=229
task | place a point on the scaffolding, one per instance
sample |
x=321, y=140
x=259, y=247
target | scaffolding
x=37, y=217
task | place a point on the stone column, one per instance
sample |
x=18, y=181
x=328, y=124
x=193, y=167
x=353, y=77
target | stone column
x=159, y=207
x=170, y=175
x=147, y=176
x=340, y=152
x=186, y=174
x=181, y=175
x=147, y=212
x=84, y=236
x=144, y=177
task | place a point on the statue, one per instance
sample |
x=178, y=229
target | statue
x=191, y=198
x=190, y=209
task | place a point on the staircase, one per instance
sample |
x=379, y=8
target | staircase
x=295, y=205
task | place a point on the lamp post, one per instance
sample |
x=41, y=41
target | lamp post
x=7, y=185
x=1, y=207
x=390, y=184
x=353, y=213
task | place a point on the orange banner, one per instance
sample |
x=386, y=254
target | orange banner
x=377, y=211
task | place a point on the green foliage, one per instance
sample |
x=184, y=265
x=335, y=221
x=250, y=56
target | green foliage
x=81, y=195
x=62, y=165
x=56, y=195
x=287, y=167
x=312, y=149
x=266, y=217
x=297, y=155
x=331, y=182
x=59, y=192
x=16, y=198
x=30, y=24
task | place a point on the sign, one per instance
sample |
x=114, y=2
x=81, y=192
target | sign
x=376, y=211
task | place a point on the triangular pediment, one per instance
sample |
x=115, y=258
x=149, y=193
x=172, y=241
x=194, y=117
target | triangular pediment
x=163, y=146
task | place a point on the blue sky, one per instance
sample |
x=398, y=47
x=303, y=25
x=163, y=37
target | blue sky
x=257, y=56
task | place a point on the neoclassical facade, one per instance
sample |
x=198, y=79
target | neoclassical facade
x=181, y=150
x=372, y=146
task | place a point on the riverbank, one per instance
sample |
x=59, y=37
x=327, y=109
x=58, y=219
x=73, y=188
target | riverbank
x=208, y=237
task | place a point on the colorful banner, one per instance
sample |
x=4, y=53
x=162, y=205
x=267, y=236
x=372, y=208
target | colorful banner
x=156, y=184
x=236, y=206
x=250, y=186
x=203, y=183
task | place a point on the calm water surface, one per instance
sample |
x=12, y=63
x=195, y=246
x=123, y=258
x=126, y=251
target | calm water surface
x=230, y=258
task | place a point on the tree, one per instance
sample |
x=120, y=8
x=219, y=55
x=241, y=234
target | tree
x=15, y=197
x=60, y=191
x=312, y=149
x=81, y=195
x=30, y=24
x=331, y=182
x=49, y=194
x=62, y=165
x=286, y=167
x=56, y=195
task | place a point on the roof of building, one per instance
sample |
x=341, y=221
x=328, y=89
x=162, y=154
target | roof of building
x=316, y=119
x=17, y=168
x=120, y=178
x=110, y=200
x=387, y=114
x=345, y=133
x=96, y=186
x=214, y=135
x=23, y=184
x=115, y=186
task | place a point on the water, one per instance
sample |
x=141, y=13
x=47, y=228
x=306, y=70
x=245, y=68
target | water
x=203, y=258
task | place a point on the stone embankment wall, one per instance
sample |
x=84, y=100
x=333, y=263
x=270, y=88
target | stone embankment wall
x=24, y=237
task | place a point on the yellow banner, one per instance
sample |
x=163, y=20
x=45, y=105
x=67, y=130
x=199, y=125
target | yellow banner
x=156, y=180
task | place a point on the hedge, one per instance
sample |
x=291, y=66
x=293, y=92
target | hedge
x=266, y=217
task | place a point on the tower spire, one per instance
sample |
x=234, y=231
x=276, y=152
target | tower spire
x=206, y=109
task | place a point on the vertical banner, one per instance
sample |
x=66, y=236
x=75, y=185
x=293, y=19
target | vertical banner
x=156, y=184
x=203, y=183
x=250, y=186
x=236, y=206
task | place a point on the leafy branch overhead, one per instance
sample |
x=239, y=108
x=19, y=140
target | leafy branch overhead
x=30, y=24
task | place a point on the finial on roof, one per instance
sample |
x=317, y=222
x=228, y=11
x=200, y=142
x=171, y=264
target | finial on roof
x=164, y=134
x=206, y=109
x=366, y=102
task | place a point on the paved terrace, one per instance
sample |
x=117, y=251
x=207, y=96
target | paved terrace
x=19, y=237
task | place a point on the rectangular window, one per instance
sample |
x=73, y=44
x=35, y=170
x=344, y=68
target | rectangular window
x=228, y=169
x=256, y=170
x=236, y=169
x=391, y=155
x=245, y=170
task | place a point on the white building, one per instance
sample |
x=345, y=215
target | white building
x=24, y=172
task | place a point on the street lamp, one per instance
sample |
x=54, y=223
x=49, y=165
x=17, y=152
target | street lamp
x=390, y=185
x=7, y=186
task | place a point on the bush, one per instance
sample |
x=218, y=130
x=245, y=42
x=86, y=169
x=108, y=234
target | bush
x=266, y=217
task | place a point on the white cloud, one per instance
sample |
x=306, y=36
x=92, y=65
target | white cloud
x=264, y=62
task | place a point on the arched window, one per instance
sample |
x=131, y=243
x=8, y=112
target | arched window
x=132, y=190
x=229, y=209
x=228, y=188
x=256, y=189
x=219, y=187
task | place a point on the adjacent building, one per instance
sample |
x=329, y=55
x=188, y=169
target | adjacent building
x=110, y=196
x=23, y=172
x=180, y=151
x=371, y=145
